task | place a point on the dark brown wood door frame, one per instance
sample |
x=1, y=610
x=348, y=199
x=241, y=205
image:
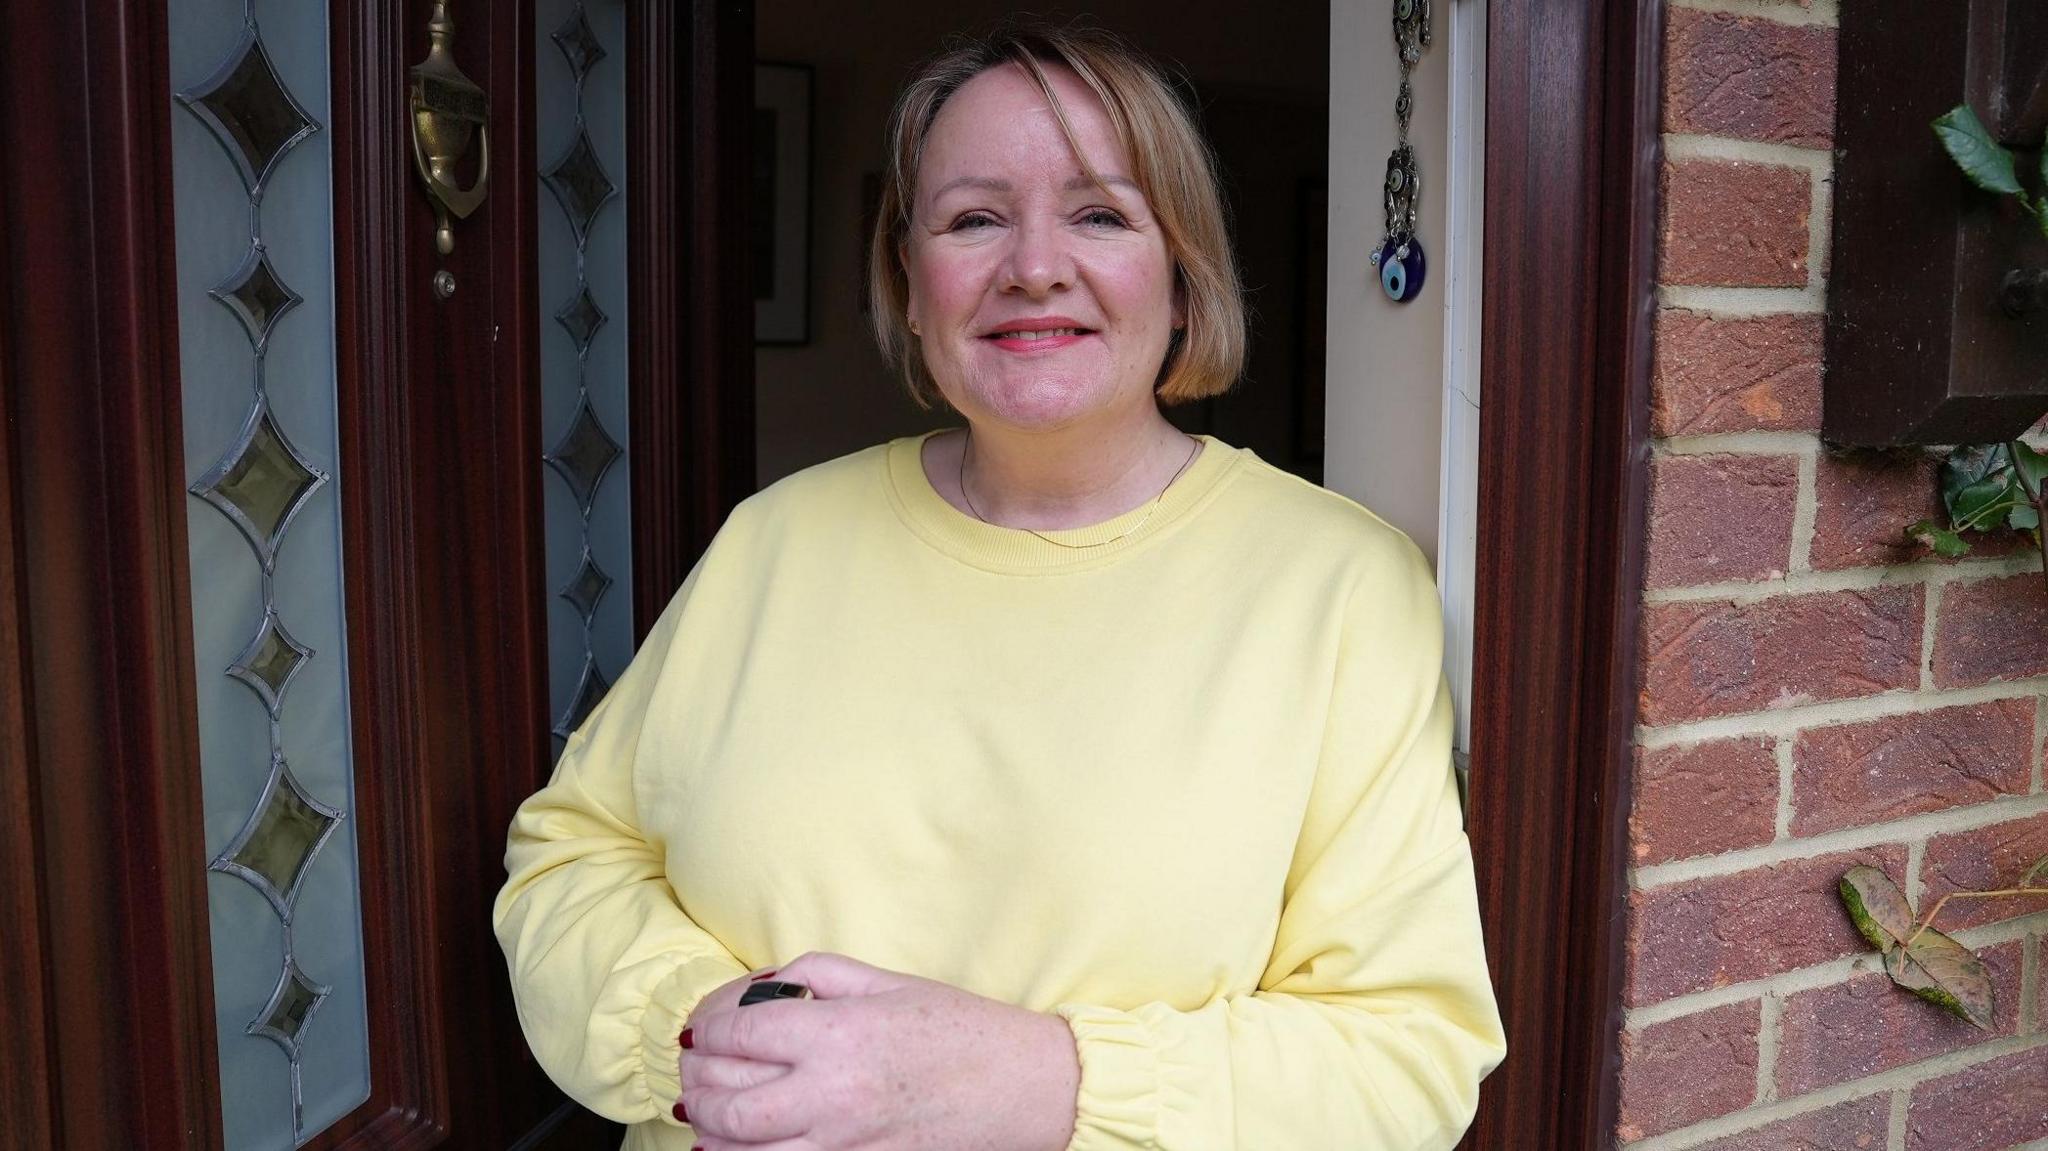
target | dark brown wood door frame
x=690, y=368
x=106, y=1015
x=1571, y=195
x=106, y=998
x=439, y=438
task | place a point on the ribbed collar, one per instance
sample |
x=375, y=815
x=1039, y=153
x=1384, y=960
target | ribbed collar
x=1015, y=551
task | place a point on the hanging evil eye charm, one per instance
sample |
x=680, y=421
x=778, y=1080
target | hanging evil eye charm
x=1402, y=268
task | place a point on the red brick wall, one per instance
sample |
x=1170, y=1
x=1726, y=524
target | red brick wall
x=1816, y=693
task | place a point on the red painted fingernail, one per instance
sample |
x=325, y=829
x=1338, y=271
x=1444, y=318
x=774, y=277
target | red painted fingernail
x=684, y=1039
x=763, y=975
x=682, y=1116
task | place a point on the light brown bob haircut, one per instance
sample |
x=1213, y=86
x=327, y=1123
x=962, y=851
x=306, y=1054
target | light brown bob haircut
x=1174, y=169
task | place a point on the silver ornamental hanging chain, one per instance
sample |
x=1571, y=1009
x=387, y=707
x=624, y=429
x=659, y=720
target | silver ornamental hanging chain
x=1399, y=254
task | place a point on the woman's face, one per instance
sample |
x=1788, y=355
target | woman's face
x=1040, y=301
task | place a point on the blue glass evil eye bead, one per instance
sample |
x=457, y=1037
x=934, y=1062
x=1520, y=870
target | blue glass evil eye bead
x=1401, y=275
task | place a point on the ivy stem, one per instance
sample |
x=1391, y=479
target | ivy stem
x=1943, y=902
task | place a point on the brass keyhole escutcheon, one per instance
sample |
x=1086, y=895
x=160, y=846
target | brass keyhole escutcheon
x=448, y=110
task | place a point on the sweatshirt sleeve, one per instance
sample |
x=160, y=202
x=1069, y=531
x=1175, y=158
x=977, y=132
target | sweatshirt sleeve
x=605, y=966
x=1375, y=1019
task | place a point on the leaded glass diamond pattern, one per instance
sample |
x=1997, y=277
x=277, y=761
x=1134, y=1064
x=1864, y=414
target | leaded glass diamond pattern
x=578, y=44
x=580, y=185
x=581, y=318
x=590, y=688
x=280, y=839
x=261, y=483
x=586, y=452
x=587, y=587
x=256, y=296
x=250, y=111
x=270, y=661
x=292, y=1004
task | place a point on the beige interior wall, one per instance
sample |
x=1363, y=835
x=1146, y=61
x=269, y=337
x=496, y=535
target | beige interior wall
x=833, y=395
x=1384, y=373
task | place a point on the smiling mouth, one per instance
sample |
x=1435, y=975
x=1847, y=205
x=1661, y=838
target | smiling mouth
x=1034, y=334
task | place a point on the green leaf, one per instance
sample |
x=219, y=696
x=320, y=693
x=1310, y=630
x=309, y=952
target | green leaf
x=1940, y=540
x=1979, y=505
x=1987, y=165
x=2031, y=465
x=1970, y=464
x=1946, y=974
x=2023, y=518
x=1876, y=906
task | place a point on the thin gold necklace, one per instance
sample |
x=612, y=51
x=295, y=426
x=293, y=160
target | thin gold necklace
x=1156, y=500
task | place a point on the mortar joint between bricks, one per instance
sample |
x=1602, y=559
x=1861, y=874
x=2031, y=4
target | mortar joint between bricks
x=1818, y=14
x=1787, y=805
x=1912, y=572
x=1806, y=507
x=1930, y=613
x=2040, y=737
x=1729, y=303
x=1770, y=1010
x=1786, y=984
x=1773, y=722
x=1908, y=830
x=1817, y=163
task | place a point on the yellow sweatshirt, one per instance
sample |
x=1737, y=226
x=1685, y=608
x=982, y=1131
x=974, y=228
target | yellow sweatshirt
x=1189, y=790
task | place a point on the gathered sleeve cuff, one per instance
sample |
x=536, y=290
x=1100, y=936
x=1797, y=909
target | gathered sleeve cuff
x=661, y=1026
x=1118, y=1104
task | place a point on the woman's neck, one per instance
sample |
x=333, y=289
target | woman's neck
x=1068, y=478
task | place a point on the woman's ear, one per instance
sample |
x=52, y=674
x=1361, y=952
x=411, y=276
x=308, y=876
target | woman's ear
x=909, y=288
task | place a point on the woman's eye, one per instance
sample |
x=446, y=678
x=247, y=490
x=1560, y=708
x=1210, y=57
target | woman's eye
x=1103, y=217
x=972, y=221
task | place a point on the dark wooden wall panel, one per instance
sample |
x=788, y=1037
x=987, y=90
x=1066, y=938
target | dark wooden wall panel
x=1572, y=149
x=1919, y=350
x=374, y=198
x=690, y=369
x=482, y=656
x=96, y=483
x=25, y=1059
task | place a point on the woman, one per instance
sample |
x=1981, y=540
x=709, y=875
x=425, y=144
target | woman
x=1093, y=779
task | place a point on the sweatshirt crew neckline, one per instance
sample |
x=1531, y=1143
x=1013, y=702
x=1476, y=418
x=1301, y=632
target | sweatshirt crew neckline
x=1016, y=551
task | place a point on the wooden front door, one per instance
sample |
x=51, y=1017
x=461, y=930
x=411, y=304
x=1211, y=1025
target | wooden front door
x=320, y=518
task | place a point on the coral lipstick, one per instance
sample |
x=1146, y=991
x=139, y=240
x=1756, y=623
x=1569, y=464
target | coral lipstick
x=1038, y=334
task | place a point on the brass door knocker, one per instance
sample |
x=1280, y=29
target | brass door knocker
x=447, y=109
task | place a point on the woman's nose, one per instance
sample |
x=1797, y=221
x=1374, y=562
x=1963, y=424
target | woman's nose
x=1039, y=260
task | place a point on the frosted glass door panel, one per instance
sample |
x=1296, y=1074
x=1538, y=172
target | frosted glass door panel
x=581, y=84
x=252, y=172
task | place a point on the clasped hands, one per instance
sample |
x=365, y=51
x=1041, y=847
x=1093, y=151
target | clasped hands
x=876, y=1060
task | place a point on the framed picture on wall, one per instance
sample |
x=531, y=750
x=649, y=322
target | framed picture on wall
x=781, y=189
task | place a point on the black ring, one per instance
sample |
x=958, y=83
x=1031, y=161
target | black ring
x=769, y=989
